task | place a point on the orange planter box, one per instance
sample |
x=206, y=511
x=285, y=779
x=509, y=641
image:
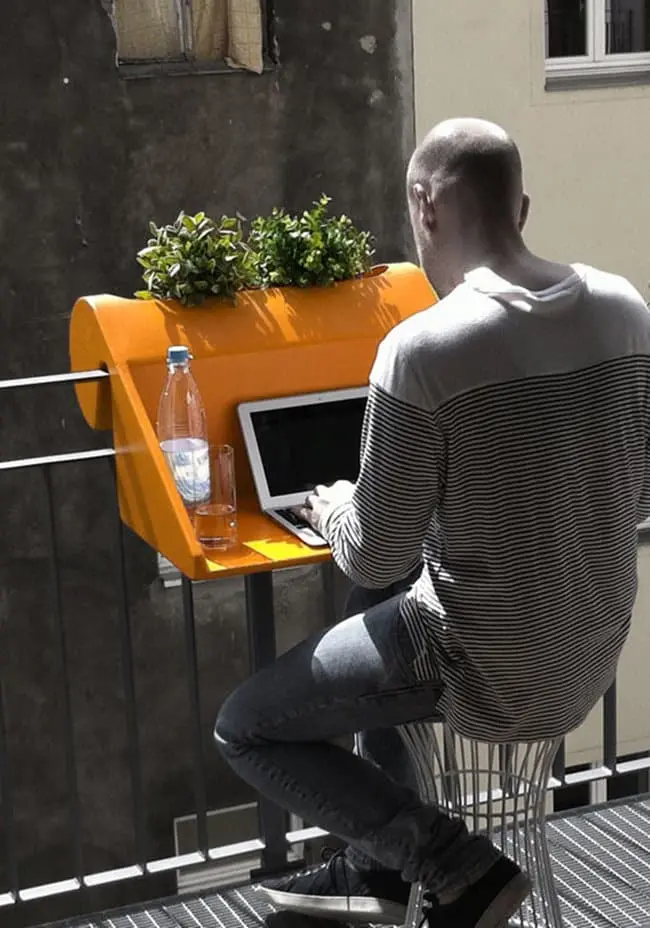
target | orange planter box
x=267, y=343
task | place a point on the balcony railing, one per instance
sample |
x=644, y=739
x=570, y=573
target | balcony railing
x=12, y=893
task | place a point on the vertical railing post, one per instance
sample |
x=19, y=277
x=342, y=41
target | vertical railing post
x=329, y=592
x=196, y=723
x=559, y=763
x=128, y=682
x=62, y=654
x=7, y=804
x=609, y=728
x=260, y=615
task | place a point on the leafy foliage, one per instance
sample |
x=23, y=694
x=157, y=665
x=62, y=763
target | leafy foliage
x=195, y=258
x=310, y=250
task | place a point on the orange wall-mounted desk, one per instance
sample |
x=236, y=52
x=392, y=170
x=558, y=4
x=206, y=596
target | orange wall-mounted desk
x=266, y=343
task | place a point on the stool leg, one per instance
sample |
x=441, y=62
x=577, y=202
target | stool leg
x=512, y=791
x=547, y=884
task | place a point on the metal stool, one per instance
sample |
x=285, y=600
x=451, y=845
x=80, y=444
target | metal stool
x=501, y=791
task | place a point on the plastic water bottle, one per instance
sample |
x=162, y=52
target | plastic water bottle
x=182, y=429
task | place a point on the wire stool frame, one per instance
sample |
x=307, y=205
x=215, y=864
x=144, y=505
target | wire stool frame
x=501, y=791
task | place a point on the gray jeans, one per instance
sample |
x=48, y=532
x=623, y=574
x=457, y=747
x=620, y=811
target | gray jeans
x=277, y=732
x=382, y=746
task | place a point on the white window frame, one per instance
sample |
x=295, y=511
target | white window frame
x=596, y=61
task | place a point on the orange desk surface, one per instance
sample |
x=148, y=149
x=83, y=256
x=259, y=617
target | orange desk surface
x=263, y=545
x=279, y=342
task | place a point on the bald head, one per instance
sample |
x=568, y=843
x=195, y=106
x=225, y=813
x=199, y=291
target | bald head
x=476, y=164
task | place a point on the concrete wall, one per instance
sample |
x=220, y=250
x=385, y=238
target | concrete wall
x=86, y=159
x=586, y=156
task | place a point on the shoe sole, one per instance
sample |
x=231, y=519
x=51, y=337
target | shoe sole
x=339, y=908
x=504, y=906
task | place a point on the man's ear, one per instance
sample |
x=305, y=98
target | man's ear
x=525, y=210
x=424, y=206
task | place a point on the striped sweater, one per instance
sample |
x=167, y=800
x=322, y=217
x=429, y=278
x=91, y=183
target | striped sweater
x=506, y=445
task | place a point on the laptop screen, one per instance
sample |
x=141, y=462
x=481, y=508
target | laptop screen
x=302, y=446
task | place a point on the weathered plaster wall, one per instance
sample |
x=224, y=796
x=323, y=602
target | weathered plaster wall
x=86, y=159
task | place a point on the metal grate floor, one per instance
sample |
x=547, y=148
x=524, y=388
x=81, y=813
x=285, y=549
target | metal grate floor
x=601, y=864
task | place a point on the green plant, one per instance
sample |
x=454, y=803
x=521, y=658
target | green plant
x=310, y=250
x=194, y=258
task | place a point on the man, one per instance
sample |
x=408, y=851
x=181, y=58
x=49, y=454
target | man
x=505, y=446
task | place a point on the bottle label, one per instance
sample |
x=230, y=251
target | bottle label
x=189, y=462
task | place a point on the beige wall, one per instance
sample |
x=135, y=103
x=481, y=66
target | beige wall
x=587, y=162
x=586, y=153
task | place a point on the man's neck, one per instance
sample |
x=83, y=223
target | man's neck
x=531, y=272
x=511, y=261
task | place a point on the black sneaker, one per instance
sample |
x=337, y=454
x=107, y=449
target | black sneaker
x=337, y=890
x=488, y=903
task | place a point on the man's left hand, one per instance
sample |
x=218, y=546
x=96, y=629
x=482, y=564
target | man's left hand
x=323, y=499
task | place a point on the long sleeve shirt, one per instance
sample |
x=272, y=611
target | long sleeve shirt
x=505, y=445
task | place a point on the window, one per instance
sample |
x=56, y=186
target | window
x=186, y=36
x=597, y=38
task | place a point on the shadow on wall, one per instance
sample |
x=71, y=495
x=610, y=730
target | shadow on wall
x=36, y=735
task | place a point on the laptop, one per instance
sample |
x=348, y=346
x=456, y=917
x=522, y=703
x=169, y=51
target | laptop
x=296, y=442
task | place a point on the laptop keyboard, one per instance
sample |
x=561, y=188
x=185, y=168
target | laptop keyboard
x=292, y=517
x=303, y=529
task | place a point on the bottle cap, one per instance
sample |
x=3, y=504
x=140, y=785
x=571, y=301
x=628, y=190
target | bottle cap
x=178, y=354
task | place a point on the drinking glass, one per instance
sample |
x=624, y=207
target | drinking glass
x=215, y=520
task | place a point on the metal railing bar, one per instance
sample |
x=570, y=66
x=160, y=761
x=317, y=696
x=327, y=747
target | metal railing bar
x=262, y=649
x=559, y=763
x=260, y=622
x=241, y=849
x=196, y=723
x=609, y=727
x=329, y=592
x=160, y=865
x=52, y=379
x=61, y=647
x=305, y=834
x=600, y=773
x=49, y=889
x=588, y=776
x=632, y=766
x=244, y=848
x=505, y=767
x=114, y=876
x=178, y=862
x=128, y=682
x=7, y=804
x=605, y=772
x=51, y=459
